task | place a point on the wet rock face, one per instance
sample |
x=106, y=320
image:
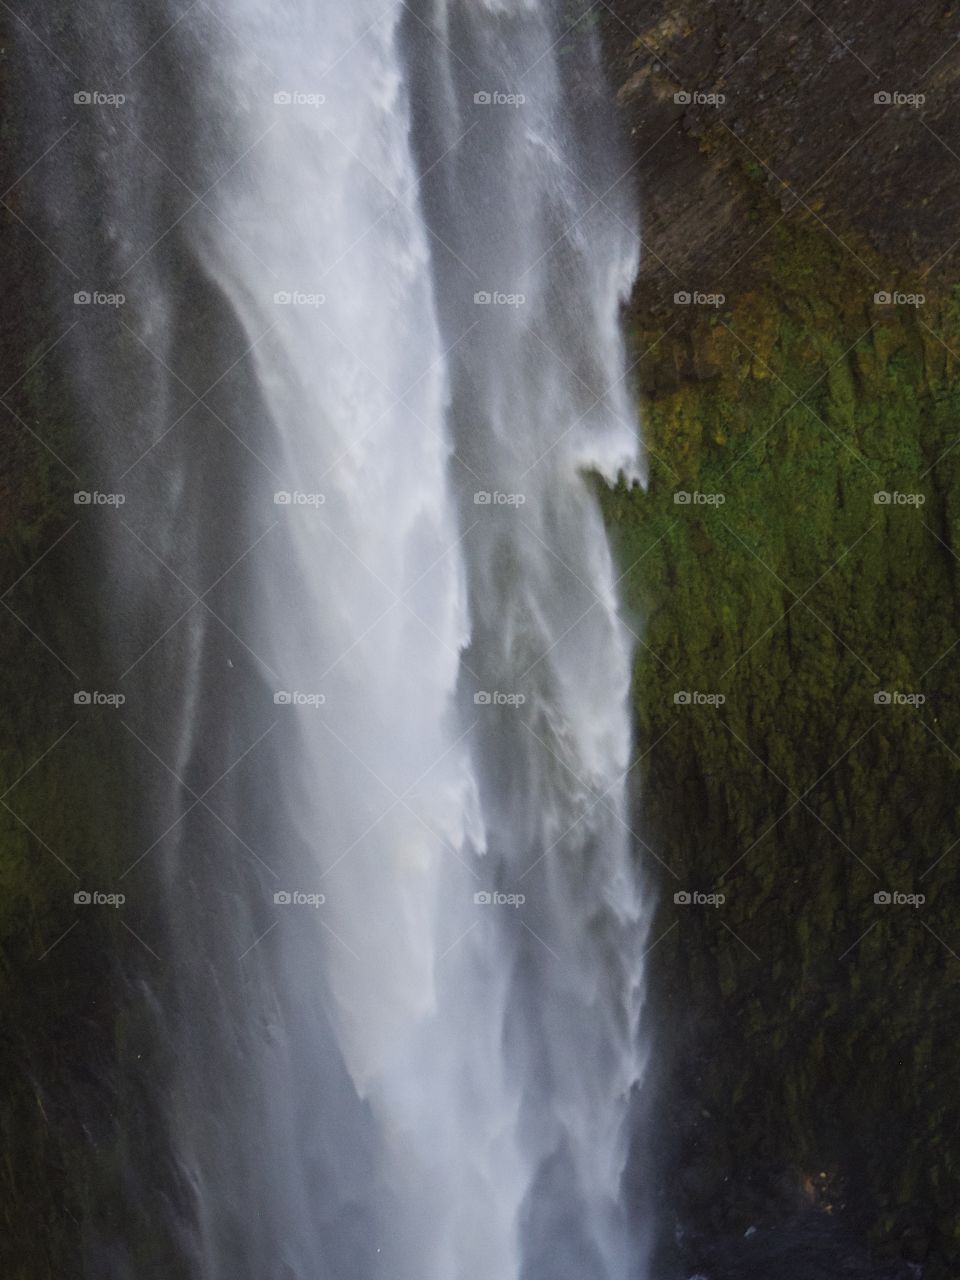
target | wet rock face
x=788, y=95
x=803, y=1250
x=796, y=332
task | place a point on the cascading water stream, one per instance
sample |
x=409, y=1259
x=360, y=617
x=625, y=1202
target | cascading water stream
x=401, y=1007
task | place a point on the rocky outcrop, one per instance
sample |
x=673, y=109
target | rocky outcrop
x=786, y=96
x=792, y=574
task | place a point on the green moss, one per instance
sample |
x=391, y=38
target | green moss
x=798, y=598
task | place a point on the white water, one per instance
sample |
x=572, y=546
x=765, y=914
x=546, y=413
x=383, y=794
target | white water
x=493, y=1044
x=406, y=1082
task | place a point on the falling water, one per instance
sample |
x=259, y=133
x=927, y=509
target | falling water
x=366, y=374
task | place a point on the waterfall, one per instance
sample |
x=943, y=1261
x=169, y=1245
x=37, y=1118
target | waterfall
x=366, y=374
